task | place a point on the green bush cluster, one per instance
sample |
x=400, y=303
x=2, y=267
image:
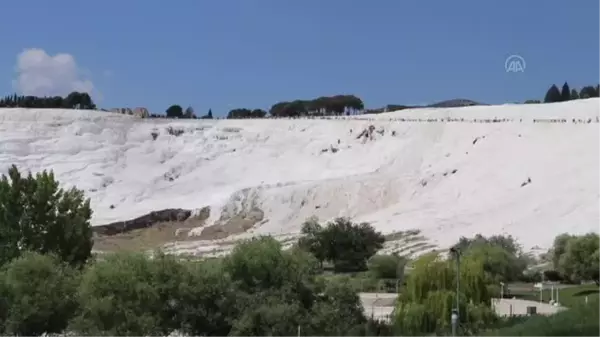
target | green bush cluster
x=50, y=283
x=257, y=290
x=74, y=100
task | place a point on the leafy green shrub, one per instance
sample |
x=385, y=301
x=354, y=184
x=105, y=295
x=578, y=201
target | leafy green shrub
x=387, y=266
x=36, y=295
x=345, y=244
x=36, y=215
x=425, y=303
x=358, y=283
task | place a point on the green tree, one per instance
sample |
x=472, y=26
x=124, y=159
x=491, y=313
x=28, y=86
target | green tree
x=75, y=100
x=120, y=296
x=425, y=304
x=239, y=113
x=259, y=289
x=351, y=245
x=85, y=101
x=574, y=94
x=246, y=113
x=189, y=113
x=175, y=111
x=278, y=291
x=565, y=93
x=206, y=300
x=558, y=248
x=580, y=260
x=588, y=92
x=321, y=106
x=501, y=256
x=387, y=266
x=338, y=310
x=78, y=100
x=260, y=264
x=347, y=245
x=500, y=264
x=36, y=295
x=36, y=215
x=552, y=95
x=258, y=113
x=132, y=294
x=311, y=241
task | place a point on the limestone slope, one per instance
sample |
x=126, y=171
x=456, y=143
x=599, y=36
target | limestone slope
x=446, y=172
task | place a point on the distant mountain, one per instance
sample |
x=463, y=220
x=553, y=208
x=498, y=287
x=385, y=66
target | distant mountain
x=452, y=103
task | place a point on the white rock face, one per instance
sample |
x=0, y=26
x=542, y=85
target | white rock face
x=447, y=172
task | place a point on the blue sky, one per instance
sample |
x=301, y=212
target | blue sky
x=253, y=53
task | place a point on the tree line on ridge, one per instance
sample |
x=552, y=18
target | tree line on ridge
x=337, y=105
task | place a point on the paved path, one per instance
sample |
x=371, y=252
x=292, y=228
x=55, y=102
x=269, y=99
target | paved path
x=381, y=305
x=507, y=306
x=378, y=305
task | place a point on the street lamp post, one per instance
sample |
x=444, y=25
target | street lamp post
x=454, y=319
x=456, y=312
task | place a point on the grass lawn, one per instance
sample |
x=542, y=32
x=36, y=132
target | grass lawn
x=581, y=320
x=567, y=297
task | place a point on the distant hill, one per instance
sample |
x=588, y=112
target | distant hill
x=417, y=172
x=454, y=103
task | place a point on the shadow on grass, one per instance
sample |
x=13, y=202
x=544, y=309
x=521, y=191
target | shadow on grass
x=586, y=292
x=519, y=296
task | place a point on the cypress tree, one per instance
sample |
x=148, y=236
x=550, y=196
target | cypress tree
x=565, y=94
x=587, y=92
x=574, y=94
x=552, y=95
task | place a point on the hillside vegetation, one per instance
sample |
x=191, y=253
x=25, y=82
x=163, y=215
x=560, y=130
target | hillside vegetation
x=51, y=283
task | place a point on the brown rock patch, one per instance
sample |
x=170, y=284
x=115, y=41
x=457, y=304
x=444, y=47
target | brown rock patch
x=225, y=227
x=156, y=230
